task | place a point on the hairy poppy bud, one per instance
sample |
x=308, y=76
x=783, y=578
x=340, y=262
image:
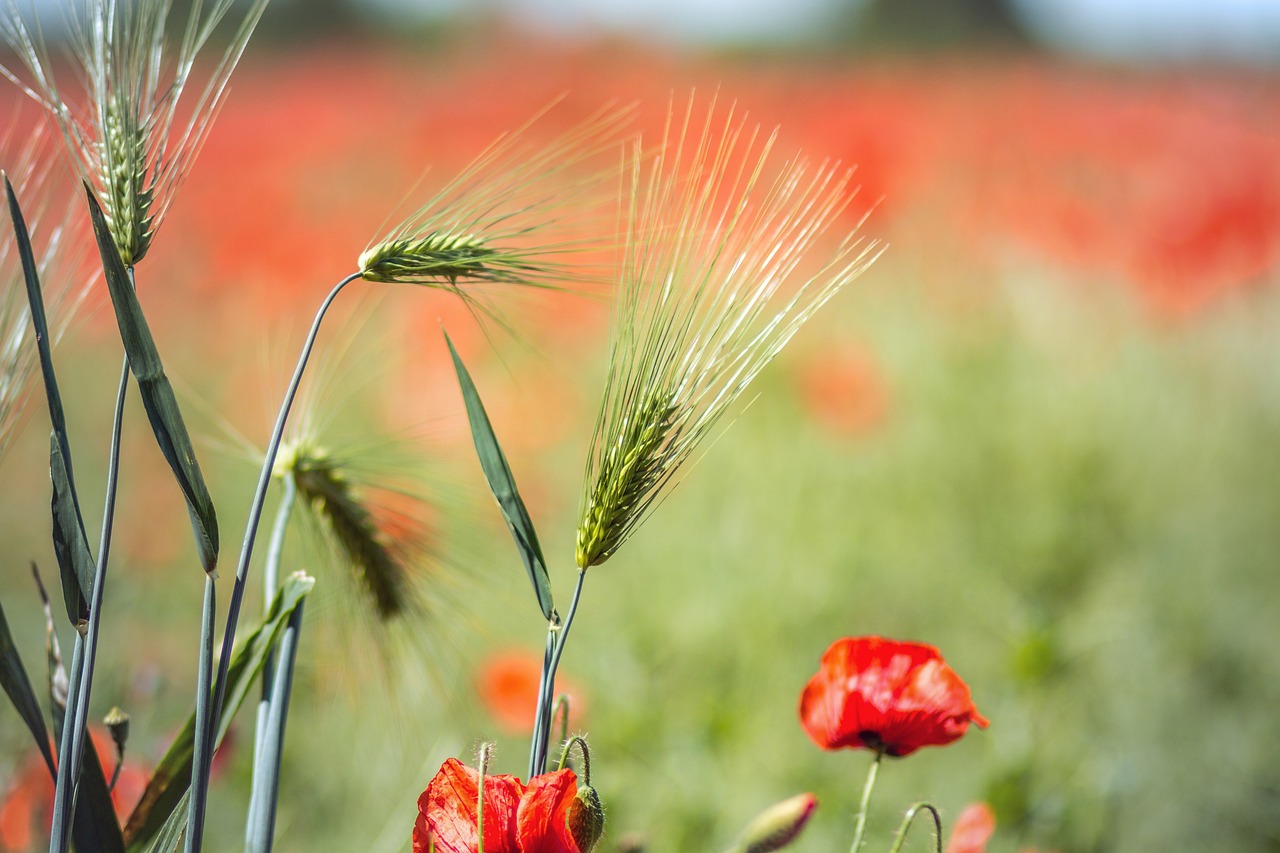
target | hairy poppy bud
x=585, y=818
x=117, y=723
x=778, y=825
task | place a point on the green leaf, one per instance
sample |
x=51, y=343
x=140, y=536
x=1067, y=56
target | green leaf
x=157, y=393
x=13, y=677
x=503, y=486
x=171, y=835
x=172, y=776
x=70, y=544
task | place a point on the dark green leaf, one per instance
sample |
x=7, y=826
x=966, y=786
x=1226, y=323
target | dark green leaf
x=503, y=486
x=157, y=393
x=172, y=775
x=13, y=677
x=170, y=836
x=74, y=562
x=70, y=545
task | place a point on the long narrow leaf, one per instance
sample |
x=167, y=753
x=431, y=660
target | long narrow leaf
x=13, y=677
x=503, y=485
x=157, y=393
x=70, y=544
x=172, y=776
x=171, y=835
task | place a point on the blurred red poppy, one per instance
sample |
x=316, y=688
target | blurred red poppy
x=507, y=683
x=972, y=830
x=886, y=696
x=517, y=818
x=26, y=801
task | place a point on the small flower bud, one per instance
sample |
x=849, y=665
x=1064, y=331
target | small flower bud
x=117, y=723
x=778, y=825
x=585, y=818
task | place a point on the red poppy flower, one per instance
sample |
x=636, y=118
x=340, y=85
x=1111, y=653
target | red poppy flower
x=517, y=818
x=887, y=696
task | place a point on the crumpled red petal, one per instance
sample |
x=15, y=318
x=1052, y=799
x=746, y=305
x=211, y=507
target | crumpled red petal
x=540, y=820
x=447, y=812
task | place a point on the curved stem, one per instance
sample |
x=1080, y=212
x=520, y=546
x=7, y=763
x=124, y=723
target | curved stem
x=861, y=826
x=910, y=817
x=560, y=712
x=255, y=516
x=549, y=682
x=586, y=757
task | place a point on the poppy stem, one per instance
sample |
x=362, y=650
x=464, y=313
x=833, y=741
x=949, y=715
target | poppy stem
x=912, y=813
x=586, y=757
x=486, y=750
x=860, y=827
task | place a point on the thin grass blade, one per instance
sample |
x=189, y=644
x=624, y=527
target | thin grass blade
x=157, y=394
x=70, y=543
x=172, y=834
x=169, y=783
x=13, y=678
x=503, y=485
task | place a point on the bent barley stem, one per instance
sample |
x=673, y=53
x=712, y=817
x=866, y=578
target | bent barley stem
x=207, y=732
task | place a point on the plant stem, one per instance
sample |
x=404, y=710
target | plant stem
x=539, y=721
x=77, y=713
x=542, y=734
x=203, y=750
x=60, y=833
x=266, y=768
x=861, y=826
x=207, y=733
x=910, y=817
x=270, y=581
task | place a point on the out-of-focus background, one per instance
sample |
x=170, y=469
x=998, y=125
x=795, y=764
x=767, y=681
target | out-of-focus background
x=1040, y=433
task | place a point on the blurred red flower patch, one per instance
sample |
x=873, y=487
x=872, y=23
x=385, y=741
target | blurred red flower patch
x=507, y=683
x=972, y=830
x=517, y=818
x=842, y=389
x=887, y=696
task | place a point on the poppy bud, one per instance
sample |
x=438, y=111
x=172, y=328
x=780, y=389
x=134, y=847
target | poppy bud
x=778, y=825
x=117, y=723
x=585, y=818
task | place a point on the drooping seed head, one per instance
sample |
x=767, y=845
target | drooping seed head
x=435, y=257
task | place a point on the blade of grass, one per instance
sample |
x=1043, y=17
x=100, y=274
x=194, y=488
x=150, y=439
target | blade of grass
x=70, y=543
x=13, y=677
x=172, y=775
x=157, y=394
x=170, y=836
x=503, y=485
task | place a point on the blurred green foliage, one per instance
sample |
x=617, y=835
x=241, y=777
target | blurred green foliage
x=1076, y=502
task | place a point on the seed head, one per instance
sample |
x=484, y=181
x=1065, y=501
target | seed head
x=723, y=264
x=138, y=136
x=521, y=213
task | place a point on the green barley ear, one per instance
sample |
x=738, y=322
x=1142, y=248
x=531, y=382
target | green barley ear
x=725, y=258
x=521, y=213
x=136, y=138
x=377, y=562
